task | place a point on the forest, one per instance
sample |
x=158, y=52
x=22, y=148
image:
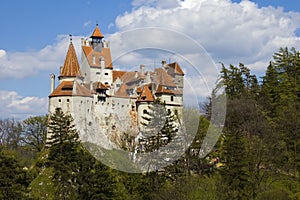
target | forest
x=257, y=156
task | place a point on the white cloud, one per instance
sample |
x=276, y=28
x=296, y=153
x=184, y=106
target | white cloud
x=196, y=33
x=15, y=106
x=26, y=64
x=230, y=32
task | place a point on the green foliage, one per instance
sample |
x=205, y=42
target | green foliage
x=13, y=177
x=259, y=149
x=159, y=127
x=235, y=177
x=42, y=186
x=35, y=131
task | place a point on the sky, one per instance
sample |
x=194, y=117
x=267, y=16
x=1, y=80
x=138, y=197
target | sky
x=35, y=37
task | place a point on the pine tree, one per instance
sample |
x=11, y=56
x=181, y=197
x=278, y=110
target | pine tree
x=235, y=180
x=159, y=127
x=63, y=156
x=13, y=178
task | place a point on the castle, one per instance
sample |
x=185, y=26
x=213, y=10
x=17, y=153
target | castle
x=112, y=100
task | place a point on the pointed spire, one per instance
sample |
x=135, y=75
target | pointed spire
x=97, y=33
x=71, y=66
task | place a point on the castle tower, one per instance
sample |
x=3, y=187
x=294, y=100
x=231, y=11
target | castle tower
x=70, y=88
x=96, y=59
x=97, y=39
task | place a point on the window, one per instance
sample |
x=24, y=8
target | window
x=145, y=111
x=98, y=73
x=59, y=100
x=106, y=73
x=68, y=100
x=172, y=98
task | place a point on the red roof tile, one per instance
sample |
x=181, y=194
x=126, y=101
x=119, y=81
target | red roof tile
x=163, y=78
x=65, y=88
x=71, y=66
x=146, y=95
x=97, y=33
x=105, y=53
x=162, y=90
x=176, y=68
x=117, y=74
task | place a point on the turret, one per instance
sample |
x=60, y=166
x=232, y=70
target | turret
x=97, y=39
x=70, y=70
x=52, y=83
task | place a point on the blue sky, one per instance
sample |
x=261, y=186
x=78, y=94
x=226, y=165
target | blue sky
x=34, y=34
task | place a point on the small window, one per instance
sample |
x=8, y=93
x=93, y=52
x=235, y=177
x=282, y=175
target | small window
x=59, y=100
x=145, y=111
x=172, y=98
x=68, y=100
x=98, y=73
x=106, y=73
x=106, y=83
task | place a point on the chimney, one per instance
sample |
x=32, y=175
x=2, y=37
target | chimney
x=94, y=59
x=136, y=74
x=91, y=86
x=163, y=63
x=52, y=82
x=142, y=68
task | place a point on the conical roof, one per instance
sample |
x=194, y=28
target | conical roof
x=71, y=66
x=97, y=33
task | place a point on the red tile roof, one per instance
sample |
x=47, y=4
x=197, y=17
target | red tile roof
x=146, y=95
x=163, y=78
x=162, y=90
x=105, y=53
x=97, y=33
x=71, y=66
x=117, y=74
x=65, y=88
x=176, y=68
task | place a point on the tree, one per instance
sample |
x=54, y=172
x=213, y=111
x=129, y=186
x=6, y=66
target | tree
x=35, y=131
x=235, y=179
x=159, y=127
x=13, y=178
x=10, y=133
x=64, y=153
